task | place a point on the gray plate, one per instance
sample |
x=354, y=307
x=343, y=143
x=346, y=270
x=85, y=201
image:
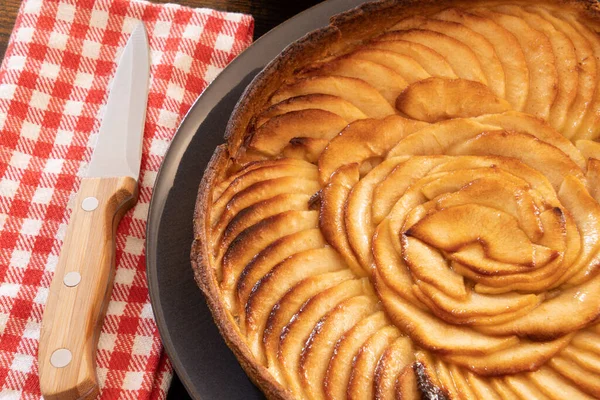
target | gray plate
x=205, y=365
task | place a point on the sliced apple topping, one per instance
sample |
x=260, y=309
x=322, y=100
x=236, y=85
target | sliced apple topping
x=416, y=211
x=356, y=91
x=438, y=99
x=507, y=48
x=326, y=102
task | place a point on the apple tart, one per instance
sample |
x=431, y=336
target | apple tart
x=407, y=206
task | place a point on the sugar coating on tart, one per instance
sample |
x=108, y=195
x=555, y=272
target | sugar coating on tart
x=417, y=214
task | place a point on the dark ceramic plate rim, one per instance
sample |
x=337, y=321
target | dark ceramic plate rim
x=235, y=75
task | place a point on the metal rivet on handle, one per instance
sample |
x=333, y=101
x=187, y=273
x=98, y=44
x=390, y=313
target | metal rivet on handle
x=72, y=279
x=89, y=203
x=60, y=358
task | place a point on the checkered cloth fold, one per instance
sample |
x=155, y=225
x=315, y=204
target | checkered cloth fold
x=54, y=83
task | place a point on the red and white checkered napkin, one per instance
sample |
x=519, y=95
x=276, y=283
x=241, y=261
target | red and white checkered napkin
x=53, y=87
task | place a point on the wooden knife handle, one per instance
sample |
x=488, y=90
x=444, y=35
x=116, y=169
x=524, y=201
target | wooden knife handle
x=81, y=288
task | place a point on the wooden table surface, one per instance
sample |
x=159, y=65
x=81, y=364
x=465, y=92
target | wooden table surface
x=267, y=15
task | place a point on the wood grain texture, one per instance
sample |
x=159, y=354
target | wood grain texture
x=73, y=315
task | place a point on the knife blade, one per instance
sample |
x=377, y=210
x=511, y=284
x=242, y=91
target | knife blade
x=82, y=281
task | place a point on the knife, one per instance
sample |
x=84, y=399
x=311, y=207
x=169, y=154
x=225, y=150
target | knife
x=83, y=278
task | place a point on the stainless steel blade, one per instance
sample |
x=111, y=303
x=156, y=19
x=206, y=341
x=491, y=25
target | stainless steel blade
x=118, y=151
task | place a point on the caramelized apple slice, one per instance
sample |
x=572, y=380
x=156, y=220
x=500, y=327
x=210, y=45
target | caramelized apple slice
x=356, y=91
x=340, y=365
x=389, y=83
x=593, y=178
x=520, y=122
x=555, y=386
x=589, y=125
x=524, y=388
x=250, y=198
x=403, y=65
x=525, y=356
x=460, y=382
x=586, y=65
x=395, y=358
x=434, y=63
x=320, y=345
x=305, y=148
x=549, y=160
x=270, y=288
x=362, y=140
x=254, y=239
x=583, y=379
x=289, y=305
x=430, y=333
x=333, y=104
x=507, y=48
x=462, y=59
x=428, y=265
x=360, y=385
x=565, y=58
x=438, y=99
x=436, y=138
x=451, y=228
x=540, y=62
x=259, y=211
x=482, y=388
x=296, y=333
x=274, y=135
x=387, y=193
x=260, y=171
x=272, y=255
x=331, y=218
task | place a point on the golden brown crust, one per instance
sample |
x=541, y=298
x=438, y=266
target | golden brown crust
x=344, y=31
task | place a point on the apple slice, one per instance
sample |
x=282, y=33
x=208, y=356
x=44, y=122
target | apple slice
x=428, y=265
x=437, y=99
x=586, y=65
x=547, y=159
x=483, y=49
x=363, y=140
x=271, y=288
x=431, y=333
x=451, y=228
x=387, y=82
x=462, y=59
x=431, y=61
x=320, y=345
x=403, y=65
x=252, y=196
x=289, y=305
x=589, y=125
x=585, y=359
x=255, y=173
x=253, y=240
x=437, y=138
x=507, y=48
x=406, y=173
x=593, y=178
x=520, y=122
x=395, y=358
x=580, y=377
x=460, y=382
x=326, y=102
x=481, y=387
x=525, y=356
x=305, y=148
x=297, y=332
x=273, y=136
x=340, y=366
x=565, y=58
x=360, y=385
x=524, y=388
x=272, y=255
x=356, y=91
x=540, y=61
x=556, y=386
